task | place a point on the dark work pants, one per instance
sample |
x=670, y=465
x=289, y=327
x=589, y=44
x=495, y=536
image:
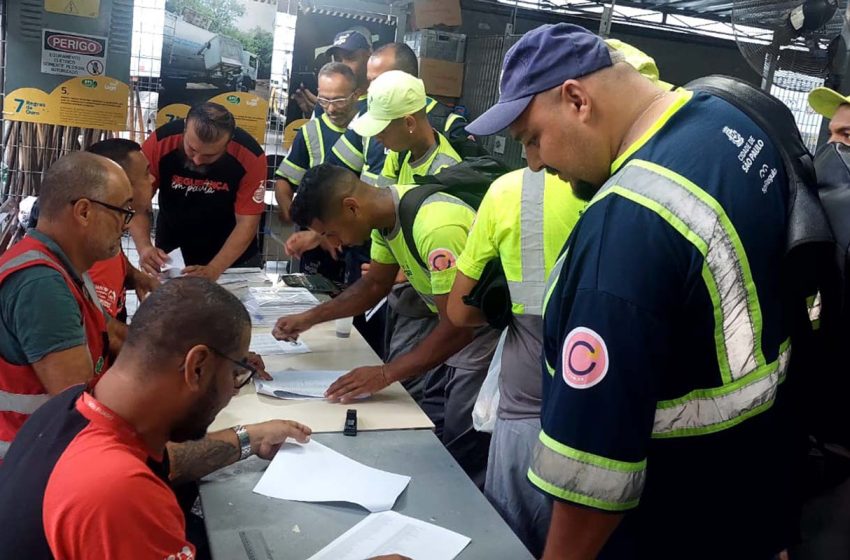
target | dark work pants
x=449, y=396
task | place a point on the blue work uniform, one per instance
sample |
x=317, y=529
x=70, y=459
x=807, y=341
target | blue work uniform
x=666, y=343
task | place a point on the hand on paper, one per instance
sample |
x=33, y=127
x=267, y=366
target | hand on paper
x=208, y=272
x=256, y=360
x=267, y=437
x=152, y=259
x=357, y=383
x=288, y=328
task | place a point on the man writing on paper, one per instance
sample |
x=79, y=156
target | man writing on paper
x=336, y=204
x=91, y=475
x=211, y=181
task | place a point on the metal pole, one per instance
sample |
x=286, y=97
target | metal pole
x=605, y=20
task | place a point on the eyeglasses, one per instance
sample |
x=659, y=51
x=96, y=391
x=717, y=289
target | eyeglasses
x=340, y=101
x=246, y=370
x=127, y=212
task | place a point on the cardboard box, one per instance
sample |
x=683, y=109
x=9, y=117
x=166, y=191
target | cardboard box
x=441, y=77
x=428, y=13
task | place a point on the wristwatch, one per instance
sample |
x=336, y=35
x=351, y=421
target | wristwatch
x=244, y=442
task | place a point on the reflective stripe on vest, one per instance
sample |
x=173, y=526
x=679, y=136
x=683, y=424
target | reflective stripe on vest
x=290, y=172
x=603, y=483
x=21, y=404
x=21, y=392
x=529, y=292
x=748, y=383
x=384, y=181
x=348, y=154
x=441, y=161
x=313, y=138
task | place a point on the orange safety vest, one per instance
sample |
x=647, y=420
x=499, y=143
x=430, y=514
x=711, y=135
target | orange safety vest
x=21, y=392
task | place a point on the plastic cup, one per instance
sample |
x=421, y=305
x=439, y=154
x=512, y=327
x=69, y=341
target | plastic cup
x=343, y=327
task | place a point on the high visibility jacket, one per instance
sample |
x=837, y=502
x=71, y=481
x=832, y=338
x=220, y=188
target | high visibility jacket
x=400, y=168
x=311, y=147
x=666, y=343
x=21, y=392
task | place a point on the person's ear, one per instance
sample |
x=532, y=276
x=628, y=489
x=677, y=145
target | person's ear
x=199, y=365
x=410, y=123
x=350, y=205
x=575, y=97
x=82, y=210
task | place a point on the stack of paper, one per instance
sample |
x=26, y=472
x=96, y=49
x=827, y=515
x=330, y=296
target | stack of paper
x=253, y=276
x=265, y=344
x=267, y=304
x=389, y=532
x=175, y=265
x=298, y=385
x=315, y=473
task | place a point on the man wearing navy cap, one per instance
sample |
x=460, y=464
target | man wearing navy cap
x=352, y=47
x=665, y=337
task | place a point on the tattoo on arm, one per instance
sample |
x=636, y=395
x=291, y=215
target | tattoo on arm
x=193, y=460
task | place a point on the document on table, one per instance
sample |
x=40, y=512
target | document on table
x=175, y=265
x=315, y=473
x=298, y=385
x=256, y=277
x=265, y=344
x=390, y=532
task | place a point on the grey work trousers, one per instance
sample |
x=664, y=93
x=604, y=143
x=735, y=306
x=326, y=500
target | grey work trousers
x=526, y=510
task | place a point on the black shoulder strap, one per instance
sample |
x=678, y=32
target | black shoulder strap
x=807, y=221
x=408, y=207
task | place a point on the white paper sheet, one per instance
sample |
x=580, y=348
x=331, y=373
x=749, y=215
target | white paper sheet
x=315, y=473
x=243, y=278
x=297, y=385
x=175, y=265
x=390, y=532
x=265, y=344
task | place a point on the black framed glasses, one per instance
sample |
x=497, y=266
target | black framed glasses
x=246, y=370
x=128, y=213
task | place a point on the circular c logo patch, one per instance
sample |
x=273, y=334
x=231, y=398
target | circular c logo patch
x=259, y=194
x=441, y=259
x=585, y=358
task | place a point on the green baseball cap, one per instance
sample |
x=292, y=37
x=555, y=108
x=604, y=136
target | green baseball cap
x=392, y=95
x=826, y=101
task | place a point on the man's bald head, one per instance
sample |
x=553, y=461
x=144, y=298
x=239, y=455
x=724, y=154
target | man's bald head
x=392, y=56
x=72, y=177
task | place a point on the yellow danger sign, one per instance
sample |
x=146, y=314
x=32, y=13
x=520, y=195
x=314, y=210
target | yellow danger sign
x=82, y=8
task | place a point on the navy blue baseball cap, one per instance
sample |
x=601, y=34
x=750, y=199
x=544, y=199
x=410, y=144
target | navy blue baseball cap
x=351, y=40
x=542, y=59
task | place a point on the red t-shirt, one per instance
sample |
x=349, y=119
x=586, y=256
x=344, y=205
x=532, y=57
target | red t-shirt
x=108, y=277
x=103, y=500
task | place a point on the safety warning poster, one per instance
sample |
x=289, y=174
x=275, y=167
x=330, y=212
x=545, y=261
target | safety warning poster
x=72, y=54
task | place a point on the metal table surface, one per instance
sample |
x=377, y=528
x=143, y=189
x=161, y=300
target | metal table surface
x=439, y=492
